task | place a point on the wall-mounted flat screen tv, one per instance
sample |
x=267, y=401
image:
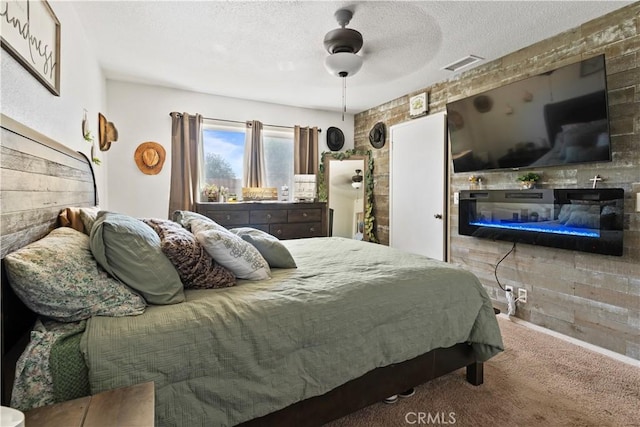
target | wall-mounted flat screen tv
x=559, y=117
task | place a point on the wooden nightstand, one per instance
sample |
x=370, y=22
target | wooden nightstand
x=127, y=406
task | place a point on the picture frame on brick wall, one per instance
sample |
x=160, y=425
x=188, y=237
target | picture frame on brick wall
x=418, y=105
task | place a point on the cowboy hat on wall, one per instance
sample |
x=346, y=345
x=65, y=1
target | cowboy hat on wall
x=107, y=133
x=149, y=157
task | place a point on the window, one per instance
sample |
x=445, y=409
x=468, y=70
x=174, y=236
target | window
x=223, y=156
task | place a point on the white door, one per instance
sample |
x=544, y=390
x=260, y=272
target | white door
x=417, y=186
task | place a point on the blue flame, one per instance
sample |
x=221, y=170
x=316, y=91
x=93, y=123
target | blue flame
x=542, y=227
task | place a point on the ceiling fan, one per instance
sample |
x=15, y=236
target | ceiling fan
x=343, y=44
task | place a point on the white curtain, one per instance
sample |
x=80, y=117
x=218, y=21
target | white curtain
x=254, y=167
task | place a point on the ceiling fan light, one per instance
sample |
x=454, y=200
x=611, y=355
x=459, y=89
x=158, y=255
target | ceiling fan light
x=343, y=62
x=356, y=180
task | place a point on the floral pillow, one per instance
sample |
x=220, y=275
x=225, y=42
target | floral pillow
x=58, y=277
x=195, y=266
x=243, y=259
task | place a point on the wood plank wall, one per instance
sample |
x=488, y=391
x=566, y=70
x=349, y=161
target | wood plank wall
x=591, y=297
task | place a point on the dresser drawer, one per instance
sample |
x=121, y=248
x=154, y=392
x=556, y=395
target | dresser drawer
x=268, y=216
x=235, y=218
x=296, y=231
x=263, y=227
x=305, y=215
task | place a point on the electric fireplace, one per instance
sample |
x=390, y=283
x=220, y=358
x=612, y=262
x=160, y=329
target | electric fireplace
x=589, y=220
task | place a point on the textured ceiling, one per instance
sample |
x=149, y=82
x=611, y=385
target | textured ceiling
x=272, y=50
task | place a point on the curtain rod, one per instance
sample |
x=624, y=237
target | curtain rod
x=237, y=121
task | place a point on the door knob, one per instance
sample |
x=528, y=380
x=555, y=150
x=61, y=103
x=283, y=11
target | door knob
x=437, y=216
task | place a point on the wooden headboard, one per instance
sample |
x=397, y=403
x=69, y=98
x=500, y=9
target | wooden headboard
x=39, y=178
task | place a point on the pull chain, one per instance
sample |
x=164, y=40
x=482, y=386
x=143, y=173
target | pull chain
x=344, y=97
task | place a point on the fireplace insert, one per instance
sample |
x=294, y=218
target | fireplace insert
x=589, y=220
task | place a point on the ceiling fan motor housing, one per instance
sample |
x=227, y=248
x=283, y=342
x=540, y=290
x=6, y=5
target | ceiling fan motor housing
x=343, y=40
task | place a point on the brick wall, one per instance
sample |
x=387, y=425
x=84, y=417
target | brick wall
x=595, y=298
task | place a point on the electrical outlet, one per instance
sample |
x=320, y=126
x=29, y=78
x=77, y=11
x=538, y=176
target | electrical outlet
x=522, y=295
x=456, y=198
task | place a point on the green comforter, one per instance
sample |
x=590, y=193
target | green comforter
x=229, y=355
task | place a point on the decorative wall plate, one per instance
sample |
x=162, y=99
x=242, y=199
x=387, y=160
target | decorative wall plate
x=377, y=135
x=418, y=105
x=335, y=139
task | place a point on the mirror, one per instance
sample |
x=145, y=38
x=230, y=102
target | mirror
x=350, y=208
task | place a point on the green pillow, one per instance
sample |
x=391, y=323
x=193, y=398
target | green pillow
x=130, y=250
x=272, y=250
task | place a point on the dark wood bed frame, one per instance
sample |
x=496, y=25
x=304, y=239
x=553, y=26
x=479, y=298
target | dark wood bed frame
x=40, y=177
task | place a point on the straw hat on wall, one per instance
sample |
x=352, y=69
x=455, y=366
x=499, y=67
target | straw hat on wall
x=149, y=157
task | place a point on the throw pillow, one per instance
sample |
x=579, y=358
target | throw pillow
x=58, y=277
x=88, y=217
x=196, y=268
x=78, y=218
x=184, y=218
x=270, y=247
x=130, y=250
x=230, y=250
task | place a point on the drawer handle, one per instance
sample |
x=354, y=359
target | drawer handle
x=304, y=214
x=268, y=216
x=279, y=231
x=228, y=217
x=312, y=229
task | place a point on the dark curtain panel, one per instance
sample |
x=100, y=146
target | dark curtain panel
x=254, y=174
x=305, y=150
x=186, y=136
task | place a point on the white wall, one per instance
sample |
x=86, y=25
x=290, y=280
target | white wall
x=82, y=86
x=141, y=113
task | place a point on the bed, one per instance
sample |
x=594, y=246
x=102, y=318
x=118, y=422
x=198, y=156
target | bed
x=354, y=323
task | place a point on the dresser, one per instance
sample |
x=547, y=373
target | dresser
x=282, y=219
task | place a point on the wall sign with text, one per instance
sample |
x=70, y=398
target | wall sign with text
x=31, y=34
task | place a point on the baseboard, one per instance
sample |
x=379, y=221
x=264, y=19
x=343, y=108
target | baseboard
x=612, y=354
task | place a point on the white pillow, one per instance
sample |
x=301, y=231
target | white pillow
x=230, y=251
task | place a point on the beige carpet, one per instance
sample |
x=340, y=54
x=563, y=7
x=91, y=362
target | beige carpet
x=539, y=380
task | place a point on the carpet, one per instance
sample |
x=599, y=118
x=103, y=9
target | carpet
x=539, y=380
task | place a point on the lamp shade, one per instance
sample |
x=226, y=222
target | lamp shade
x=342, y=64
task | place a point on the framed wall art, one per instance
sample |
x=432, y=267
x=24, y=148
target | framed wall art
x=418, y=105
x=31, y=34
